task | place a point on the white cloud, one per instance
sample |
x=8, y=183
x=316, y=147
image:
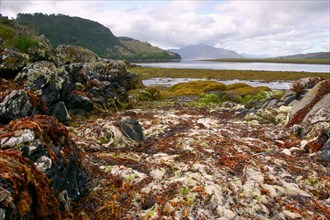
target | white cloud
x=259, y=27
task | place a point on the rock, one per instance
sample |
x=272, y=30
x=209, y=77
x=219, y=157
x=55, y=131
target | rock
x=79, y=105
x=37, y=191
x=317, y=143
x=325, y=151
x=66, y=54
x=303, y=107
x=16, y=105
x=60, y=112
x=320, y=112
x=132, y=129
x=302, y=85
x=42, y=51
x=288, y=98
x=12, y=63
x=45, y=78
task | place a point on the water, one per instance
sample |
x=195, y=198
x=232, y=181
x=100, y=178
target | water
x=193, y=64
x=167, y=82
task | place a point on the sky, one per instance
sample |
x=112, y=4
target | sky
x=274, y=27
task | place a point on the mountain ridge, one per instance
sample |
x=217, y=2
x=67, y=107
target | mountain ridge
x=203, y=51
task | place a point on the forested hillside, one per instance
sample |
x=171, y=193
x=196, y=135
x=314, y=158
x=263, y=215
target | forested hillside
x=63, y=29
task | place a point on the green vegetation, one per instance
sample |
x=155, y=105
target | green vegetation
x=193, y=88
x=207, y=100
x=265, y=76
x=274, y=60
x=16, y=37
x=62, y=29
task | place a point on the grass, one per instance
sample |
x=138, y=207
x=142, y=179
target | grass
x=265, y=76
x=274, y=60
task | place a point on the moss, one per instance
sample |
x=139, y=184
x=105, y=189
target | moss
x=194, y=88
x=236, y=86
x=206, y=100
x=246, y=94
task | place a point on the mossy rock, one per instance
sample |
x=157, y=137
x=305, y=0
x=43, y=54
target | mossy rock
x=74, y=54
x=236, y=86
x=138, y=95
x=207, y=100
x=194, y=88
x=246, y=93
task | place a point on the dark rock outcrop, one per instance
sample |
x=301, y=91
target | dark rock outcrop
x=41, y=171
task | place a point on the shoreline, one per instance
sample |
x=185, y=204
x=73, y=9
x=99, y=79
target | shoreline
x=263, y=76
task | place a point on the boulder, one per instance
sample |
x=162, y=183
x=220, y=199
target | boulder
x=301, y=86
x=304, y=106
x=12, y=62
x=132, y=129
x=42, y=169
x=66, y=54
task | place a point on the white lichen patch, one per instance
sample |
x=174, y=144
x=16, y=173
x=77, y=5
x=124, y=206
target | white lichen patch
x=126, y=173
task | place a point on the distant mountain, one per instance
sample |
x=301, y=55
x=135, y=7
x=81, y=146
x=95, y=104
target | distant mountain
x=202, y=51
x=140, y=50
x=320, y=55
x=63, y=29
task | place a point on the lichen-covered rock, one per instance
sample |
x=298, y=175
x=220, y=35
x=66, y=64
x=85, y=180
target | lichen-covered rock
x=12, y=62
x=303, y=107
x=66, y=54
x=41, y=51
x=301, y=86
x=57, y=172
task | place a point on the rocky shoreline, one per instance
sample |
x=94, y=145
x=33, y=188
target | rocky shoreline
x=82, y=138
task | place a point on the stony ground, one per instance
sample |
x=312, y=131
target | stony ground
x=200, y=163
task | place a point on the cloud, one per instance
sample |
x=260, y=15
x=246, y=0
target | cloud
x=259, y=27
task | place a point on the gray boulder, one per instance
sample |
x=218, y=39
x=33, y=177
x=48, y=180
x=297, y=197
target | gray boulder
x=60, y=112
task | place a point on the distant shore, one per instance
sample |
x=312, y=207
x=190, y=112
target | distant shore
x=272, y=60
x=264, y=76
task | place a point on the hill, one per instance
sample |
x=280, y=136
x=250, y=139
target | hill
x=15, y=36
x=63, y=29
x=144, y=50
x=319, y=55
x=202, y=51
